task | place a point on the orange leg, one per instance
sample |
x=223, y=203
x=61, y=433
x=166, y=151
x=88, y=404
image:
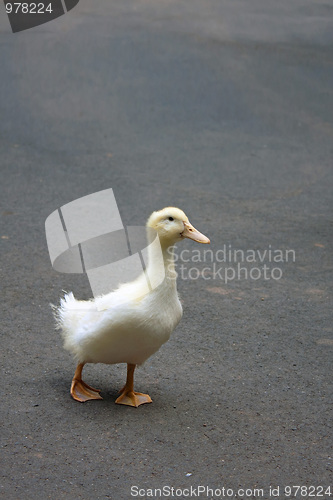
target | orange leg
x=81, y=391
x=128, y=396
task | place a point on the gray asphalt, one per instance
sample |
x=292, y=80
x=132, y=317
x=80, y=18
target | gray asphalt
x=223, y=108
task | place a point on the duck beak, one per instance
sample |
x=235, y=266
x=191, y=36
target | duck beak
x=193, y=234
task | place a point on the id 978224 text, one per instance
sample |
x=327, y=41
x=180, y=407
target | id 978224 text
x=28, y=8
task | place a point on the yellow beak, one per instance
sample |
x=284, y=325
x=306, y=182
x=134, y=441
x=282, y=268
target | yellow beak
x=193, y=234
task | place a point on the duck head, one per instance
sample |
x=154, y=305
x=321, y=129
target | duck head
x=172, y=225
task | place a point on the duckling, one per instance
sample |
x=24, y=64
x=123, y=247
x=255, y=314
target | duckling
x=129, y=324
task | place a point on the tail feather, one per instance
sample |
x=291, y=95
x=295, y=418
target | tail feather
x=68, y=317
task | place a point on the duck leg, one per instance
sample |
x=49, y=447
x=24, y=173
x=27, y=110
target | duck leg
x=128, y=396
x=81, y=391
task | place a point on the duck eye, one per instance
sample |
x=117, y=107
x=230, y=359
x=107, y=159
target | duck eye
x=171, y=218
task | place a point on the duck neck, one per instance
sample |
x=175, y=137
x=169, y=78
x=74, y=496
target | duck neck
x=169, y=263
x=161, y=263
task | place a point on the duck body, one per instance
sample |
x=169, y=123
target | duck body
x=129, y=324
x=118, y=328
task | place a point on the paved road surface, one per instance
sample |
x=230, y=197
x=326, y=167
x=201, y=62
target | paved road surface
x=223, y=108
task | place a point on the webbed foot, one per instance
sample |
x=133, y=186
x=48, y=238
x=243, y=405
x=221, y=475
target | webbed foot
x=81, y=391
x=131, y=398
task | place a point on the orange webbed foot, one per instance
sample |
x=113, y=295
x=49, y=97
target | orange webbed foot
x=83, y=392
x=131, y=398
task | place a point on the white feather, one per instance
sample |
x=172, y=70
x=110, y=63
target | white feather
x=127, y=325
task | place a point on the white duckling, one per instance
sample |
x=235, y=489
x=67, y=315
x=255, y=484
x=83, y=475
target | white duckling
x=129, y=324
